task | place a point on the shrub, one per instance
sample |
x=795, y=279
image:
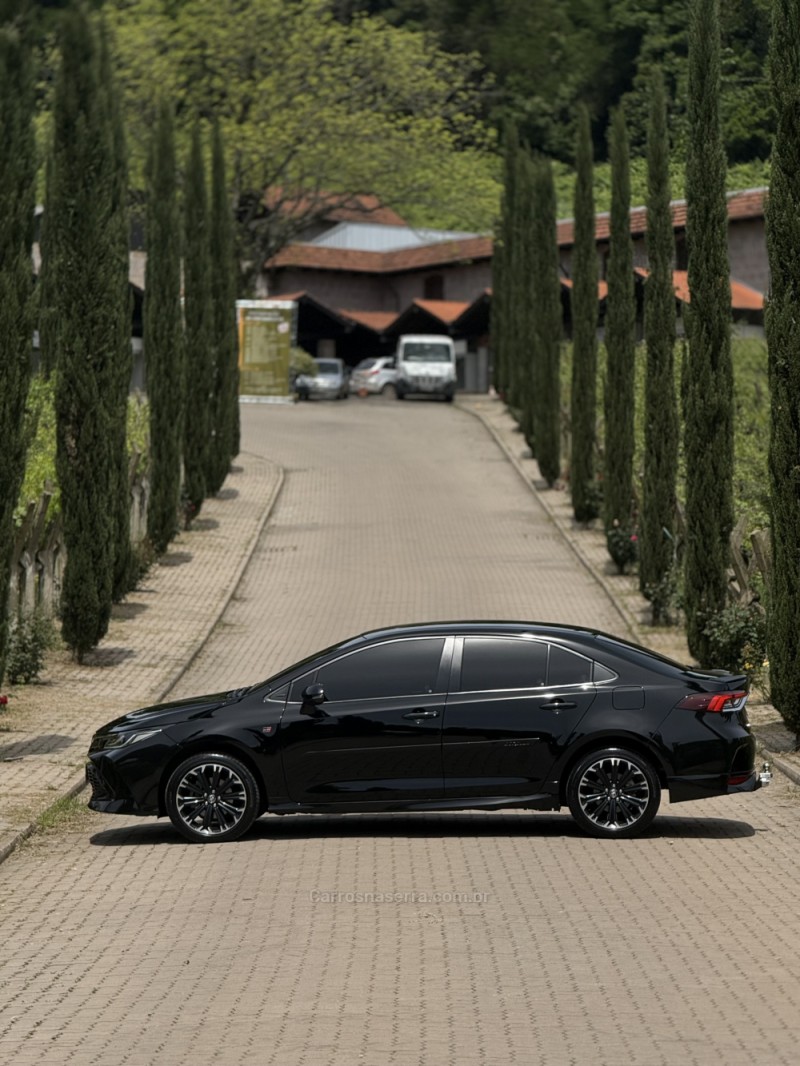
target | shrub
x=623, y=546
x=31, y=639
x=737, y=640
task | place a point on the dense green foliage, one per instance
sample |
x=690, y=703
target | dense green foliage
x=620, y=344
x=82, y=239
x=17, y=170
x=163, y=335
x=198, y=318
x=584, y=335
x=224, y=444
x=708, y=391
x=547, y=324
x=547, y=56
x=783, y=335
x=661, y=426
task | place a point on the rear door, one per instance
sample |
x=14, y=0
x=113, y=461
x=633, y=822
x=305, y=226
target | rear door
x=513, y=704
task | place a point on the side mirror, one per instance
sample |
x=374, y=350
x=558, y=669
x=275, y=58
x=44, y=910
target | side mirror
x=313, y=698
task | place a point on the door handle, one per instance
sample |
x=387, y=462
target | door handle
x=421, y=714
x=559, y=705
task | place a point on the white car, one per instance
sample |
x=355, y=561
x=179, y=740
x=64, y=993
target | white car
x=374, y=375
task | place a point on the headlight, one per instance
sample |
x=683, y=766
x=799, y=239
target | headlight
x=119, y=740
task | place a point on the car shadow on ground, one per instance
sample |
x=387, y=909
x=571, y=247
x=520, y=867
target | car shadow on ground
x=310, y=827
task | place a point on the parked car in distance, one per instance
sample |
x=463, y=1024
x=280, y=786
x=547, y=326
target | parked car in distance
x=329, y=383
x=374, y=375
x=425, y=364
x=440, y=716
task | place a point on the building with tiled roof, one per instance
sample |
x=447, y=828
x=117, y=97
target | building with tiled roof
x=393, y=278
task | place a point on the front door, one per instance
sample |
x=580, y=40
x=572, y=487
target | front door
x=378, y=734
x=515, y=701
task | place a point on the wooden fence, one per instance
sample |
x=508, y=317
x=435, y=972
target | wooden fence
x=39, y=551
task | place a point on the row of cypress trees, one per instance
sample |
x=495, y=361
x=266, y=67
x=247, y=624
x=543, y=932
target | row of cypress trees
x=84, y=315
x=17, y=184
x=707, y=381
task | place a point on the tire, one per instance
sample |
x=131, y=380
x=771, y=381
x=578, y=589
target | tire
x=389, y=392
x=399, y=393
x=448, y=397
x=231, y=811
x=613, y=793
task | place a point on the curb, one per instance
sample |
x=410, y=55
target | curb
x=79, y=784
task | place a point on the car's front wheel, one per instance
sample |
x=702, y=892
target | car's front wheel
x=613, y=793
x=212, y=797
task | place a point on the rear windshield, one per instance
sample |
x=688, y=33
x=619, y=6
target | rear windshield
x=325, y=366
x=366, y=364
x=427, y=352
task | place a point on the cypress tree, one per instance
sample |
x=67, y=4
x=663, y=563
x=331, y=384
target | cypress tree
x=501, y=268
x=17, y=183
x=783, y=338
x=584, y=335
x=163, y=334
x=121, y=309
x=198, y=319
x=225, y=349
x=661, y=430
x=82, y=241
x=620, y=342
x=526, y=350
x=709, y=372
x=547, y=323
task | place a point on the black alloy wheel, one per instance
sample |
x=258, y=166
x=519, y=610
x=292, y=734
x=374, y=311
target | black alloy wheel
x=212, y=798
x=613, y=793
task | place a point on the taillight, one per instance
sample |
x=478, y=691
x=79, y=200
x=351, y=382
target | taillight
x=717, y=701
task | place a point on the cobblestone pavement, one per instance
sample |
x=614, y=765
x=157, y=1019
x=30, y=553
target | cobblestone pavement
x=427, y=939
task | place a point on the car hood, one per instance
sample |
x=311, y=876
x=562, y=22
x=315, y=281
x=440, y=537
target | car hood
x=162, y=714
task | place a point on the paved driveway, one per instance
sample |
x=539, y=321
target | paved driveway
x=426, y=939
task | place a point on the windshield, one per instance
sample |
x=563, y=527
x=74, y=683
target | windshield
x=427, y=352
x=366, y=364
x=327, y=366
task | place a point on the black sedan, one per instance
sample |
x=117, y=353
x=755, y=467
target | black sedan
x=445, y=716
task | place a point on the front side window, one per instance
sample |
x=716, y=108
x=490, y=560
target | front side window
x=397, y=668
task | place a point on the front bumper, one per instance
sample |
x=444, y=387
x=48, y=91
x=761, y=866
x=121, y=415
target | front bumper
x=128, y=780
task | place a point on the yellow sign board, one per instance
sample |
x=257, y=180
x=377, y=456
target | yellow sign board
x=267, y=329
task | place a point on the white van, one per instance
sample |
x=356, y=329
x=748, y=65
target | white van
x=425, y=364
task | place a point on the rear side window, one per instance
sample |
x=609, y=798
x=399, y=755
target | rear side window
x=397, y=668
x=567, y=668
x=499, y=662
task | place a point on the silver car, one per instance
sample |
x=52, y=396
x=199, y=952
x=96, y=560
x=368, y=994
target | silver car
x=374, y=375
x=329, y=383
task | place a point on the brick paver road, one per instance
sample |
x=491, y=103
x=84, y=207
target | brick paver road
x=436, y=939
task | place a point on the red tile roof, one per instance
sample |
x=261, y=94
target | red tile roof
x=446, y=311
x=743, y=297
x=747, y=204
x=314, y=256
x=375, y=320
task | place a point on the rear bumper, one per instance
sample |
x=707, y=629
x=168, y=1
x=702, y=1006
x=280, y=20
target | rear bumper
x=682, y=789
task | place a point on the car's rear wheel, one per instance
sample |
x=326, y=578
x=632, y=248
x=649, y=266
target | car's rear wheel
x=212, y=798
x=613, y=793
x=389, y=392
